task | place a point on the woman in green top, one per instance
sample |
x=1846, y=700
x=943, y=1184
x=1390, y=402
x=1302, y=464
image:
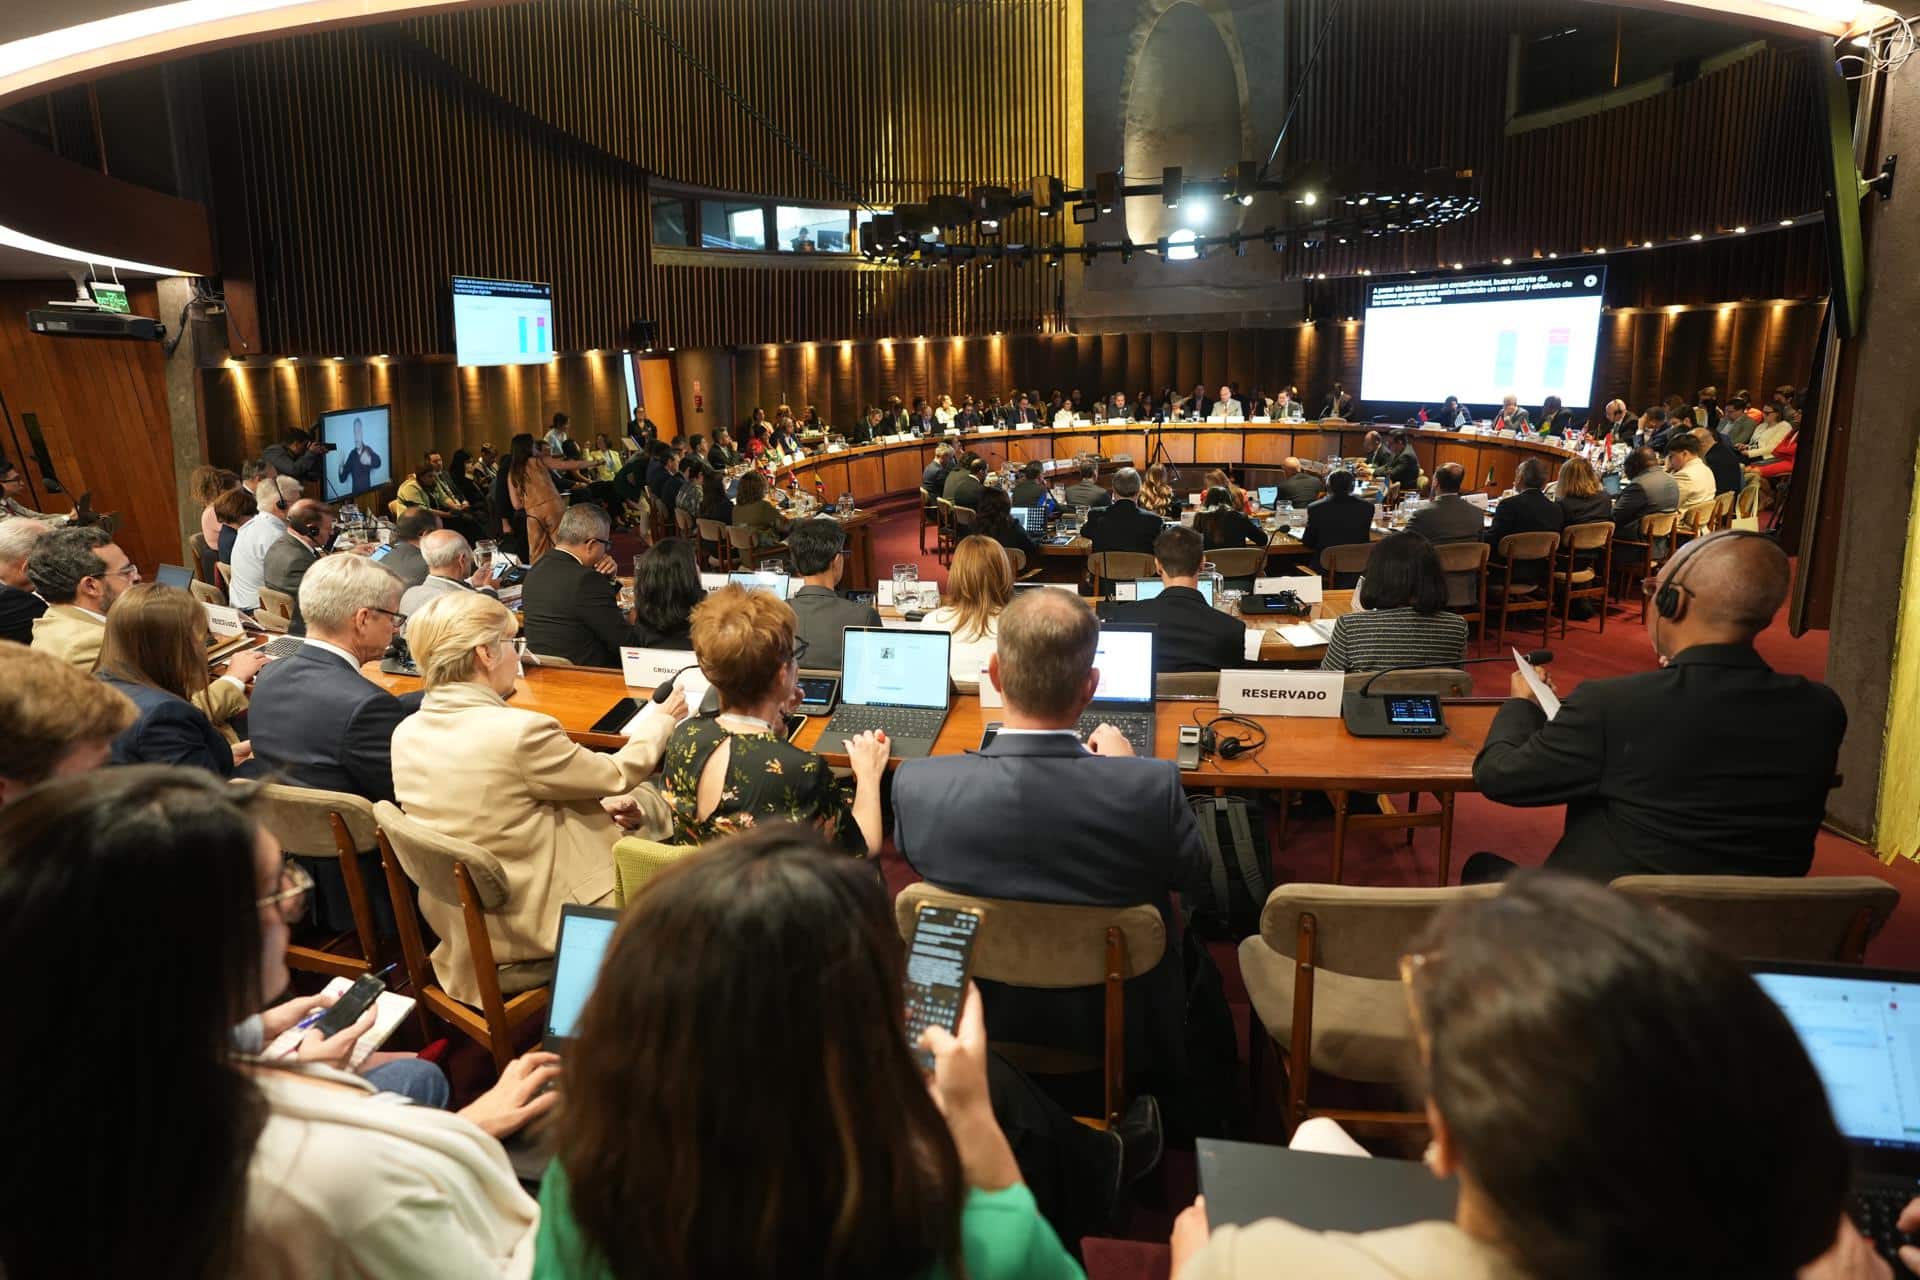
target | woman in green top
x=728, y=772
x=750, y=1108
x=605, y=458
x=752, y=508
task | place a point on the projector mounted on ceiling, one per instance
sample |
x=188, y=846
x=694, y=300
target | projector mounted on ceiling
x=90, y=322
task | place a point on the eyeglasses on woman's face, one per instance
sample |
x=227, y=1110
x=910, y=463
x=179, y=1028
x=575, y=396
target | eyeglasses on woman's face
x=290, y=899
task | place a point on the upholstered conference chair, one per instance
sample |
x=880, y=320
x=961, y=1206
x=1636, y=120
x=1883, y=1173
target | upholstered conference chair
x=317, y=824
x=1819, y=919
x=1033, y=944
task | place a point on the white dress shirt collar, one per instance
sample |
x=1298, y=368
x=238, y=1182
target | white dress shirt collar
x=335, y=650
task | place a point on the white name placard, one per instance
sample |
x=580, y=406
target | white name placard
x=221, y=620
x=650, y=668
x=1282, y=693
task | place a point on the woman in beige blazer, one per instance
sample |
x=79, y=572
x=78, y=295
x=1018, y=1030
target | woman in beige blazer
x=470, y=766
x=1617, y=1097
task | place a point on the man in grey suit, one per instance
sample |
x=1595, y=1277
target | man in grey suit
x=450, y=571
x=403, y=559
x=309, y=530
x=1451, y=518
x=1086, y=491
x=1037, y=816
x=1648, y=489
x=818, y=549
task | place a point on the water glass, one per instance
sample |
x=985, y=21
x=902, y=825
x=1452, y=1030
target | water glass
x=928, y=597
x=484, y=551
x=1228, y=601
x=905, y=578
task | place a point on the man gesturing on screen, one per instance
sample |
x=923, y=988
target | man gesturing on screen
x=360, y=463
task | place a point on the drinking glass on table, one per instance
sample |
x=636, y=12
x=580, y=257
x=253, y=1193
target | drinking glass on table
x=906, y=578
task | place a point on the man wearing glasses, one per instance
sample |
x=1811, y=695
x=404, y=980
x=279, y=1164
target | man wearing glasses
x=79, y=573
x=570, y=599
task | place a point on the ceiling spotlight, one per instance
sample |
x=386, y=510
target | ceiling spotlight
x=1309, y=199
x=1366, y=271
x=1321, y=276
x=1646, y=244
x=1602, y=249
x=1172, y=185
x=1786, y=222
x=1245, y=175
x=1696, y=236
x=1506, y=262
x=1553, y=255
x=1048, y=195
x=1457, y=266
x=1196, y=213
x=1739, y=231
x=989, y=226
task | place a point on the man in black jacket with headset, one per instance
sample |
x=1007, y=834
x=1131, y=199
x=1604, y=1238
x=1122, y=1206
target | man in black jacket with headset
x=1712, y=765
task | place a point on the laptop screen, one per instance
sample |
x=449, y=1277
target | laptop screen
x=1032, y=519
x=1267, y=495
x=1863, y=1034
x=882, y=668
x=1125, y=662
x=584, y=934
x=774, y=582
x=1150, y=588
x=172, y=575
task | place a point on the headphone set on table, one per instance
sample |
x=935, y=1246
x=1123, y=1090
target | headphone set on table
x=1232, y=746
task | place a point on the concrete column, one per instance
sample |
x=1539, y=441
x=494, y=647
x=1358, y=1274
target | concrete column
x=197, y=348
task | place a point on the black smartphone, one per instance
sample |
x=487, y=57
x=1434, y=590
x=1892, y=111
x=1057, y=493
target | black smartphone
x=939, y=962
x=349, y=1008
x=794, y=724
x=988, y=734
x=617, y=716
x=819, y=693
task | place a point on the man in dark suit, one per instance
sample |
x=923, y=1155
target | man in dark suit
x=1189, y=634
x=309, y=530
x=1723, y=460
x=818, y=548
x=1297, y=486
x=1086, y=491
x=403, y=559
x=296, y=455
x=1122, y=525
x=1528, y=510
x=923, y=423
x=1451, y=518
x=1021, y=413
x=19, y=606
x=569, y=599
x=1031, y=491
x=1067, y=823
x=314, y=718
x=1712, y=765
x=967, y=483
x=1339, y=519
x=1403, y=468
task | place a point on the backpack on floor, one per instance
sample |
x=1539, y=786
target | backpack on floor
x=1239, y=868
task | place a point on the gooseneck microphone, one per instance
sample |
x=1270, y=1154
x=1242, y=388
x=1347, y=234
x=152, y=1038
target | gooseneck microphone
x=1539, y=658
x=1406, y=715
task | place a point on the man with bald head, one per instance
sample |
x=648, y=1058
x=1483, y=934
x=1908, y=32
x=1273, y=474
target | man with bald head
x=450, y=568
x=1714, y=764
x=1297, y=486
x=309, y=531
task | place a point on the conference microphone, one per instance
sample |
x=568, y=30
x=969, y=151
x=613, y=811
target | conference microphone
x=709, y=704
x=1406, y=715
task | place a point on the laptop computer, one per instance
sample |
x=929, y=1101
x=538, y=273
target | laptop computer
x=1150, y=589
x=1861, y=1027
x=1125, y=696
x=1245, y=1182
x=1032, y=519
x=894, y=681
x=585, y=933
x=774, y=582
x=1268, y=496
x=173, y=575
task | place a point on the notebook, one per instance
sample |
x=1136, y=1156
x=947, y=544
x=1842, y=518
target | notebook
x=389, y=1011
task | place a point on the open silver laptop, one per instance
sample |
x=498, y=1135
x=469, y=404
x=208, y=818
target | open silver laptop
x=1124, y=698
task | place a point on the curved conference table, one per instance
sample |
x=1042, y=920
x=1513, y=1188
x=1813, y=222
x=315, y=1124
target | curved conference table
x=891, y=470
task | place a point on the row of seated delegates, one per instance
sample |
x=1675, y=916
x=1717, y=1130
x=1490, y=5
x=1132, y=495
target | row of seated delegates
x=81, y=573
x=1758, y=749
x=1582, y=1144
x=731, y=771
x=1118, y=832
x=225, y=1162
x=1189, y=633
x=553, y=808
x=817, y=555
x=1403, y=620
x=431, y=489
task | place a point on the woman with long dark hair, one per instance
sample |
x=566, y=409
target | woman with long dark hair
x=1617, y=1097
x=465, y=486
x=155, y=652
x=741, y=1100
x=1222, y=524
x=666, y=587
x=531, y=491
x=188, y=1161
x=1403, y=619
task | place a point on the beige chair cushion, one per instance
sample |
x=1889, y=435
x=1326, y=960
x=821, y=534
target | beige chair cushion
x=1361, y=1028
x=301, y=819
x=1764, y=917
x=1043, y=945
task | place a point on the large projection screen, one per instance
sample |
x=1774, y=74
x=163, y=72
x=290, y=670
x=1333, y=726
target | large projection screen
x=1529, y=334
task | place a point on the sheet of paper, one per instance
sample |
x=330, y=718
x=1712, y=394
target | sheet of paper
x=1307, y=635
x=1549, y=700
x=389, y=1011
x=222, y=620
x=1126, y=591
x=885, y=592
x=1251, y=650
x=713, y=581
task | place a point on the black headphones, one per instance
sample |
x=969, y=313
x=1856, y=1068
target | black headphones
x=309, y=527
x=1668, y=600
x=1229, y=747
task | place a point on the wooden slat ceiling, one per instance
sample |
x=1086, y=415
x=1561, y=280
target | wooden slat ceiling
x=520, y=141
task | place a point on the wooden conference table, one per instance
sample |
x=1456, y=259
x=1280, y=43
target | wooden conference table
x=1301, y=754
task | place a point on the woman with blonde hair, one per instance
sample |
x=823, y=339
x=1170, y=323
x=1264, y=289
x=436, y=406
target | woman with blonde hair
x=155, y=652
x=728, y=773
x=979, y=586
x=1578, y=493
x=1156, y=495
x=1239, y=498
x=511, y=781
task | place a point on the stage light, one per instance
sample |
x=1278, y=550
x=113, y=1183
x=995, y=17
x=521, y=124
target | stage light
x=1309, y=199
